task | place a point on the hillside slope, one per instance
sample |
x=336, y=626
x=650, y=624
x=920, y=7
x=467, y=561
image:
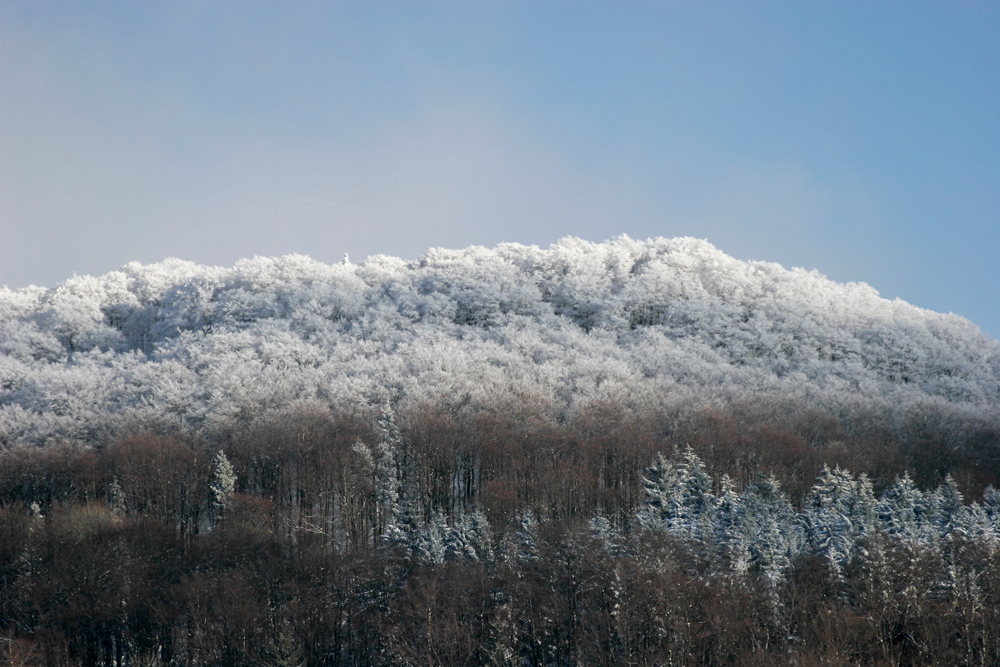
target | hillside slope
x=179, y=345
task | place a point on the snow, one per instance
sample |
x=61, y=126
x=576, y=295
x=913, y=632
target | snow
x=625, y=320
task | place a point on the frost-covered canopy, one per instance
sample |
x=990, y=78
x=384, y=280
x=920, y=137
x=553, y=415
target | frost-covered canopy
x=630, y=321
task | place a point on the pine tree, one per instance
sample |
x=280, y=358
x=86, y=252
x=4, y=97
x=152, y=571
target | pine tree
x=839, y=514
x=902, y=512
x=404, y=529
x=946, y=509
x=602, y=530
x=991, y=507
x=387, y=461
x=525, y=543
x=679, y=498
x=116, y=498
x=470, y=539
x=222, y=486
x=763, y=535
x=432, y=543
x=284, y=649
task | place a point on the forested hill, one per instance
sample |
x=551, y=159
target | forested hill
x=595, y=454
x=634, y=323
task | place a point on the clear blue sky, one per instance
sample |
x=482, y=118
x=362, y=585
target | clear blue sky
x=861, y=139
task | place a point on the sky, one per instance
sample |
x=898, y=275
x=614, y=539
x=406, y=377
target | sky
x=860, y=139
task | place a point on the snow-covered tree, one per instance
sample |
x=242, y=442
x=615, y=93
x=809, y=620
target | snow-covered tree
x=432, y=542
x=903, y=512
x=606, y=534
x=470, y=539
x=991, y=507
x=762, y=532
x=387, y=456
x=524, y=547
x=946, y=509
x=838, y=515
x=222, y=485
x=679, y=498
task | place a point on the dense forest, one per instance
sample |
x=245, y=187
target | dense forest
x=629, y=453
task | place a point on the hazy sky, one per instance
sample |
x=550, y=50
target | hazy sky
x=860, y=139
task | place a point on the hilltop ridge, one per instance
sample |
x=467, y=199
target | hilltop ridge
x=626, y=321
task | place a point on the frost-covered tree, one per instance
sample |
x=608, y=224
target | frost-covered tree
x=432, y=542
x=116, y=498
x=903, y=512
x=606, y=534
x=387, y=459
x=838, y=515
x=678, y=498
x=470, y=539
x=525, y=543
x=404, y=530
x=991, y=506
x=946, y=509
x=222, y=485
x=763, y=533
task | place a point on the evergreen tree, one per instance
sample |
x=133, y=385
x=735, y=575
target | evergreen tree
x=679, y=498
x=602, y=530
x=387, y=462
x=839, y=513
x=222, y=486
x=432, y=543
x=991, y=507
x=903, y=512
x=946, y=510
x=470, y=539
x=404, y=530
x=764, y=535
x=284, y=649
x=525, y=542
x=116, y=498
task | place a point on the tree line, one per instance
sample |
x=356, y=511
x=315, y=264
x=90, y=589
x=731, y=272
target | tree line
x=440, y=537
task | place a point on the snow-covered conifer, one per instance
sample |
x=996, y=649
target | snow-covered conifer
x=386, y=460
x=116, y=498
x=903, y=511
x=946, y=509
x=223, y=484
x=432, y=544
x=763, y=533
x=605, y=532
x=470, y=539
x=991, y=506
x=679, y=498
x=838, y=514
x=525, y=543
x=404, y=529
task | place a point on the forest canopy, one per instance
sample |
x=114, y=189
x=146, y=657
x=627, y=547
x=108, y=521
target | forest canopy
x=638, y=323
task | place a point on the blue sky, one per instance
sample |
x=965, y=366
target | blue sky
x=859, y=139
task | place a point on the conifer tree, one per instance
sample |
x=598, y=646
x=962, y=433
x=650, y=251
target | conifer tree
x=764, y=535
x=679, y=498
x=839, y=513
x=222, y=486
x=432, y=545
x=470, y=539
x=902, y=511
x=387, y=460
x=525, y=542
x=404, y=529
x=602, y=530
x=946, y=509
x=991, y=507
